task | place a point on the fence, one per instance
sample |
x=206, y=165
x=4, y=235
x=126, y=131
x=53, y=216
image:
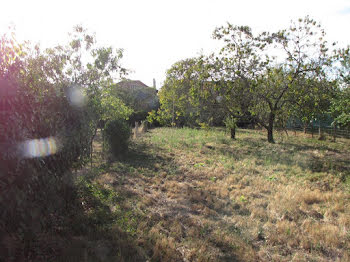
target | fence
x=336, y=132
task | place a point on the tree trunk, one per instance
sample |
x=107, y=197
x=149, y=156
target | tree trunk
x=294, y=128
x=270, y=128
x=173, y=118
x=321, y=136
x=270, y=135
x=91, y=145
x=305, y=127
x=319, y=128
x=233, y=133
x=334, y=132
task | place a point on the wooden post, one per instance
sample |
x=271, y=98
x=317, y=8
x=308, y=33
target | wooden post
x=136, y=130
x=319, y=129
x=144, y=126
x=91, y=154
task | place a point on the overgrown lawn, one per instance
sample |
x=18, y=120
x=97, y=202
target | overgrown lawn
x=196, y=195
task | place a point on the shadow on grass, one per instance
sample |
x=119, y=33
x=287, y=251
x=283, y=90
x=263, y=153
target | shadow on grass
x=303, y=147
x=144, y=163
x=148, y=161
x=289, y=154
x=65, y=222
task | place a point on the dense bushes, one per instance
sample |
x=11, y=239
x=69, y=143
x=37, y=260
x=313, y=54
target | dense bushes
x=50, y=106
x=40, y=143
x=117, y=133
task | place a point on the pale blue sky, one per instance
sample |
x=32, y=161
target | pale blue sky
x=157, y=33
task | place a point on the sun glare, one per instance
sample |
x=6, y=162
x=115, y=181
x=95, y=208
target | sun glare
x=39, y=147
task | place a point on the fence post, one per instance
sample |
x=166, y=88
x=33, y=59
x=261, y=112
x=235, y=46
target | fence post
x=319, y=128
x=144, y=125
x=136, y=130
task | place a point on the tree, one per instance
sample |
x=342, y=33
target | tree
x=177, y=102
x=342, y=56
x=340, y=105
x=140, y=99
x=238, y=64
x=270, y=81
x=189, y=95
x=313, y=101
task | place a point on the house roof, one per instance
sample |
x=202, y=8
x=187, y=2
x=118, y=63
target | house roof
x=131, y=83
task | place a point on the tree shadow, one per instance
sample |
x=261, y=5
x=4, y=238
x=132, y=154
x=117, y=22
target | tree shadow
x=303, y=147
x=289, y=153
x=142, y=166
x=64, y=221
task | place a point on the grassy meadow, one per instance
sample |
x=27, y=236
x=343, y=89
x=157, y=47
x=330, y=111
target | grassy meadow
x=196, y=195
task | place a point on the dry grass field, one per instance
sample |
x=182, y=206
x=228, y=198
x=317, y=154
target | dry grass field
x=197, y=195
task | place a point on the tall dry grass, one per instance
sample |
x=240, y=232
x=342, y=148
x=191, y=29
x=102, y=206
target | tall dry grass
x=199, y=196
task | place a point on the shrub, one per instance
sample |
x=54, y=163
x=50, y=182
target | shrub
x=204, y=125
x=35, y=190
x=231, y=125
x=117, y=134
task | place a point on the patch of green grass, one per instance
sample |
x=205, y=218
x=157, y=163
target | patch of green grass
x=213, y=179
x=271, y=178
x=243, y=199
x=198, y=165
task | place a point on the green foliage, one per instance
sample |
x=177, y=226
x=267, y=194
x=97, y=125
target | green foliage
x=248, y=83
x=230, y=122
x=340, y=107
x=140, y=98
x=112, y=106
x=343, y=57
x=152, y=117
x=272, y=89
x=155, y=119
x=204, y=125
x=188, y=96
x=117, y=133
x=50, y=104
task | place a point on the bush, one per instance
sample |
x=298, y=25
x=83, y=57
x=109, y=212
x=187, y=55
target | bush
x=36, y=193
x=231, y=125
x=117, y=134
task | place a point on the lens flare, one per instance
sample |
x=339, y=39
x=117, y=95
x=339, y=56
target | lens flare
x=76, y=96
x=219, y=99
x=39, y=147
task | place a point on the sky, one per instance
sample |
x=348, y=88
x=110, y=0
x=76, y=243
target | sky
x=157, y=33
